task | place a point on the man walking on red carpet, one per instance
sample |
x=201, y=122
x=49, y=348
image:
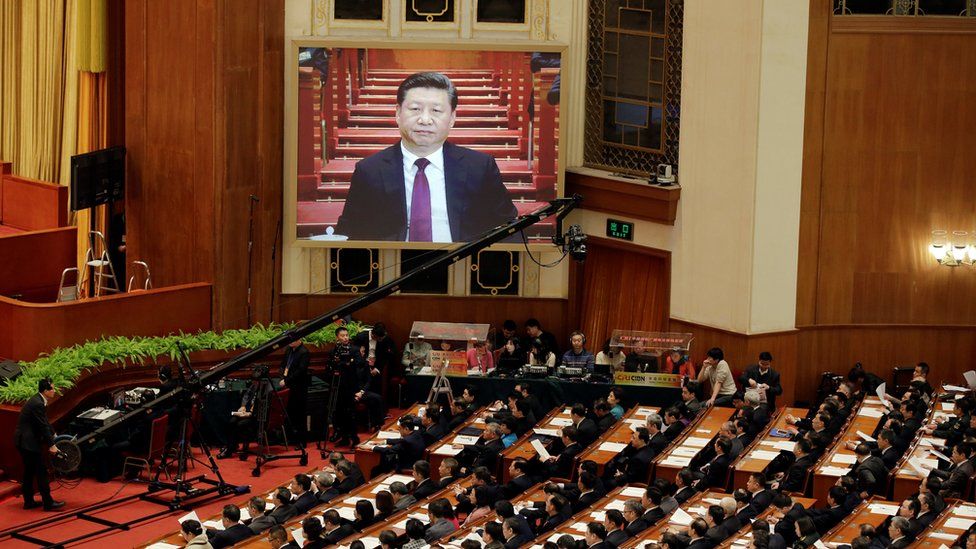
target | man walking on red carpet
x=32, y=437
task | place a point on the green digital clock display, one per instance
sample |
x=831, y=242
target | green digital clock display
x=623, y=230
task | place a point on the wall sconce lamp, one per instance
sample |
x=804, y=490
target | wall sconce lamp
x=953, y=250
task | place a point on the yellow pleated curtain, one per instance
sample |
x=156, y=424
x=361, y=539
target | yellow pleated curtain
x=53, y=91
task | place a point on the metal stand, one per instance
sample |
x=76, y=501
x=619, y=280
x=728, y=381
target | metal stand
x=330, y=413
x=264, y=454
x=441, y=385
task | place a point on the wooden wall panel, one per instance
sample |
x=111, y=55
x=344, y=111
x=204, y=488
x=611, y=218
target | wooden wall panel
x=895, y=162
x=742, y=351
x=203, y=126
x=31, y=263
x=31, y=328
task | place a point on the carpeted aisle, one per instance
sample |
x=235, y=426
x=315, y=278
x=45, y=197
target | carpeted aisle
x=89, y=491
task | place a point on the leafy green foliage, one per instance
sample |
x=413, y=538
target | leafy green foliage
x=65, y=366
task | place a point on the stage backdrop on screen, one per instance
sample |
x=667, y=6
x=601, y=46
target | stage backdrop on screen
x=500, y=158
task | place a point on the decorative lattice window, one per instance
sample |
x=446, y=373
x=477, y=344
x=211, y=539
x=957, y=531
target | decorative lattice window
x=358, y=10
x=915, y=8
x=633, y=77
x=501, y=11
x=430, y=11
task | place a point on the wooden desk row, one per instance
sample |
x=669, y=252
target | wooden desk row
x=952, y=523
x=743, y=538
x=464, y=435
x=756, y=457
x=576, y=525
x=532, y=495
x=698, y=435
x=695, y=506
x=553, y=422
x=905, y=480
x=873, y=511
x=176, y=538
x=608, y=446
x=366, y=458
x=398, y=521
x=837, y=460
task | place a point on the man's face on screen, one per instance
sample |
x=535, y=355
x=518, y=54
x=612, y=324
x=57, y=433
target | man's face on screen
x=425, y=118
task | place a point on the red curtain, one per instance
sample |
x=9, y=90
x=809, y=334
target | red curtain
x=622, y=290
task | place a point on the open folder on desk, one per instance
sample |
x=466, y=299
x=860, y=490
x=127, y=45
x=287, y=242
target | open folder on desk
x=866, y=437
x=681, y=517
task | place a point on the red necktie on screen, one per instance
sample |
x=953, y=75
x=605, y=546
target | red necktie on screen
x=420, y=230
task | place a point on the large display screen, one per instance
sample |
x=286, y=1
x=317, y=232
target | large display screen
x=423, y=146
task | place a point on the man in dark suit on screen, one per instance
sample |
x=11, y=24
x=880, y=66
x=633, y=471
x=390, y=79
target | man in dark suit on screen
x=34, y=437
x=424, y=189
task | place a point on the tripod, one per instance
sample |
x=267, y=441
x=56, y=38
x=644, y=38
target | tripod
x=330, y=412
x=182, y=486
x=264, y=454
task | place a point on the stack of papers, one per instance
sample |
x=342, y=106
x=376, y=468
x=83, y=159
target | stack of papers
x=787, y=445
x=637, y=422
x=848, y=459
x=941, y=535
x=348, y=513
x=561, y=421
x=763, y=454
x=866, y=437
x=697, y=442
x=959, y=523
x=448, y=450
x=684, y=451
x=677, y=461
x=644, y=412
x=617, y=504
x=883, y=509
x=871, y=412
x=632, y=492
x=387, y=435
x=615, y=447
x=965, y=511
x=680, y=517
x=834, y=471
x=547, y=432
x=465, y=440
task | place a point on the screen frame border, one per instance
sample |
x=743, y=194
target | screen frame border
x=289, y=214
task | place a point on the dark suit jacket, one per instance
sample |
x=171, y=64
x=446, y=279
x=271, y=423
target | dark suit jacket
x=376, y=208
x=282, y=513
x=871, y=476
x=230, y=536
x=563, y=466
x=405, y=451
x=517, y=541
x=387, y=359
x=585, y=500
x=605, y=422
x=795, y=478
x=637, y=527
x=674, y=430
x=954, y=480
x=305, y=502
x=516, y=486
x=33, y=433
x=825, y=519
x=337, y=535
x=424, y=489
x=658, y=443
x=587, y=431
x=617, y=537
x=684, y=494
x=702, y=543
x=260, y=524
x=434, y=433
x=717, y=473
x=297, y=379
x=771, y=378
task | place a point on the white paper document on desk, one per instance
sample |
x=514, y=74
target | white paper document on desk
x=162, y=545
x=561, y=421
x=763, y=454
x=941, y=535
x=834, y=471
x=685, y=451
x=676, y=461
x=970, y=378
x=680, y=517
x=866, y=437
x=547, y=432
x=192, y=515
x=617, y=504
x=632, y=492
x=871, y=412
x=883, y=509
x=387, y=435
x=848, y=459
x=959, y=523
x=541, y=450
x=299, y=536
x=697, y=442
x=939, y=455
x=615, y=447
x=466, y=439
x=965, y=511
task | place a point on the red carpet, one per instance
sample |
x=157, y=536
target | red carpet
x=89, y=491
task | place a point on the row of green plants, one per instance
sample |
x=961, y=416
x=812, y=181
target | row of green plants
x=65, y=366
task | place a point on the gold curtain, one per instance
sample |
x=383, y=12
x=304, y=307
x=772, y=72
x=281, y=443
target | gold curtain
x=92, y=105
x=37, y=84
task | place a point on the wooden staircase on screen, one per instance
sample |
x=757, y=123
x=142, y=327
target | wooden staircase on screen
x=358, y=109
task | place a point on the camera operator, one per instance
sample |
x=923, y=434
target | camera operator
x=294, y=373
x=345, y=362
x=254, y=405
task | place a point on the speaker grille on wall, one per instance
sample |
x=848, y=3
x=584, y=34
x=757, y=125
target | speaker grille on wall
x=9, y=370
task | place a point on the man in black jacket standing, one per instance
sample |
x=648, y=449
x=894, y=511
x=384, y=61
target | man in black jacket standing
x=33, y=438
x=763, y=378
x=294, y=373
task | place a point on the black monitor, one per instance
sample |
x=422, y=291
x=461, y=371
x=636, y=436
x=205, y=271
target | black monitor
x=97, y=178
